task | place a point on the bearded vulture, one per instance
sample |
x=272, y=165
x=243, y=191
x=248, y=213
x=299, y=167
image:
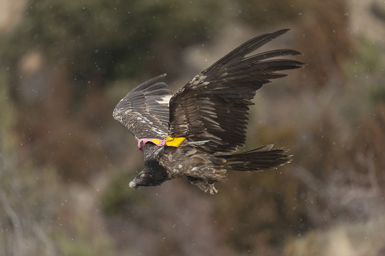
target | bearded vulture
x=195, y=132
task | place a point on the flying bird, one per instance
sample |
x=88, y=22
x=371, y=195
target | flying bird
x=195, y=132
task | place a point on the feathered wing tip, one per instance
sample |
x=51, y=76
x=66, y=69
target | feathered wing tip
x=258, y=159
x=150, y=83
x=241, y=61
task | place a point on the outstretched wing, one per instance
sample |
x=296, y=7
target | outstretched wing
x=214, y=105
x=144, y=111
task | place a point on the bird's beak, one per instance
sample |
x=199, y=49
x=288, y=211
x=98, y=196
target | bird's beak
x=132, y=184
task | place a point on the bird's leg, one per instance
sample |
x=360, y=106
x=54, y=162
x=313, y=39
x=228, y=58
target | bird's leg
x=204, y=185
x=212, y=189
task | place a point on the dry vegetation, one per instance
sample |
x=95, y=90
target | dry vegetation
x=65, y=164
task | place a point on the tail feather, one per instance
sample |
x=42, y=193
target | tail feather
x=257, y=159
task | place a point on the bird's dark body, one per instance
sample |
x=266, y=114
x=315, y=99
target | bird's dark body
x=210, y=112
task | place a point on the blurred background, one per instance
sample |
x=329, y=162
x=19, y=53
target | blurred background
x=65, y=164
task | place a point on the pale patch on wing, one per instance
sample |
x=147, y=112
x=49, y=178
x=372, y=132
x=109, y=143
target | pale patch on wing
x=165, y=100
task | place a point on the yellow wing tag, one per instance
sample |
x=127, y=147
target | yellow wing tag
x=156, y=142
x=174, y=142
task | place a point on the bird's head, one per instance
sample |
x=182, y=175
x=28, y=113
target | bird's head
x=151, y=175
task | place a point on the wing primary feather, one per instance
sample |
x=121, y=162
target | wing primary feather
x=149, y=83
x=248, y=47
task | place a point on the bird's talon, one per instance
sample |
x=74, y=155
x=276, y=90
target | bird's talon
x=213, y=190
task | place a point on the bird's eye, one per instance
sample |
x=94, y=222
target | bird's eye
x=143, y=175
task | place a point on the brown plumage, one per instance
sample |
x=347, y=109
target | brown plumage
x=210, y=112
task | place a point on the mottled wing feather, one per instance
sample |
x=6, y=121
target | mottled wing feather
x=214, y=105
x=144, y=111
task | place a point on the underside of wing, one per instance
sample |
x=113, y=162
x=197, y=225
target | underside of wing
x=214, y=105
x=145, y=110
